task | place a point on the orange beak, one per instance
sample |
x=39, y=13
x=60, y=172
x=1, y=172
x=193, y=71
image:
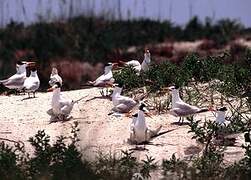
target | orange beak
x=30, y=63
x=211, y=109
x=115, y=65
x=50, y=89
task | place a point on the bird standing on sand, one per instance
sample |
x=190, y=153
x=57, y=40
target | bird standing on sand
x=144, y=66
x=122, y=104
x=61, y=106
x=54, y=77
x=180, y=108
x=139, y=132
x=17, y=80
x=31, y=83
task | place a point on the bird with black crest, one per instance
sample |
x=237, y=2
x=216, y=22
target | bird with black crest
x=106, y=79
x=180, y=108
x=122, y=104
x=32, y=83
x=139, y=131
x=16, y=81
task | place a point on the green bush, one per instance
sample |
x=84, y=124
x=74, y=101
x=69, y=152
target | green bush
x=129, y=78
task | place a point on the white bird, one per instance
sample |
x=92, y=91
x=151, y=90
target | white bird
x=121, y=103
x=32, y=83
x=17, y=80
x=147, y=60
x=180, y=108
x=220, y=115
x=144, y=66
x=106, y=78
x=139, y=131
x=54, y=77
x=61, y=106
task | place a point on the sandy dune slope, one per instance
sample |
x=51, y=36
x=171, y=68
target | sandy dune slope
x=21, y=118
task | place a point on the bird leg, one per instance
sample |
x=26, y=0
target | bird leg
x=102, y=92
x=145, y=138
x=34, y=94
x=181, y=120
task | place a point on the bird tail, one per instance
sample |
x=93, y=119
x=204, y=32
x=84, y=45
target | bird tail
x=3, y=81
x=203, y=110
x=76, y=101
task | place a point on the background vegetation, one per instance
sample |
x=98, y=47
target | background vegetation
x=93, y=40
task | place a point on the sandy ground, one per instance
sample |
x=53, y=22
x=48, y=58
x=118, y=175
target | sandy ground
x=21, y=118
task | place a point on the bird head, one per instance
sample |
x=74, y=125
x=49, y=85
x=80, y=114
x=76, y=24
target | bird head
x=142, y=107
x=175, y=87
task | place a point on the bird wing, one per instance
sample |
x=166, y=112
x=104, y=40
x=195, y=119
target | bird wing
x=133, y=123
x=16, y=79
x=122, y=108
x=179, y=112
x=186, y=107
x=126, y=100
x=133, y=63
x=66, y=109
x=103, y=78
x=66, y=105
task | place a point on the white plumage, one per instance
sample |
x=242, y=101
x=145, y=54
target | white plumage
x=144, y=66
x=32, y=83
x=61, y=105
x=139, y=131
x=121, y=103
x=17, y=80
x=54, y=77
x=220, y=115
x=180, y=108
x=105, y=78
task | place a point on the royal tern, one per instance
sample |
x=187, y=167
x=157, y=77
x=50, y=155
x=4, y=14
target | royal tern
x=139, y=132
x=61, y=106
x=106, y=78
x=146, y=62
x=17, y=80
x=144, y=66
x=180, y=108
x=121, y=103
x=31, y=83
x=54, y=77
x=220, y=115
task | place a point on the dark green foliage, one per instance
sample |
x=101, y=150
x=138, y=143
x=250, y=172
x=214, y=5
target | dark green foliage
x=108, y=166
x=235, y=78
x=57, y=161
x=9, y=167
x=128, y=77
x=166, y=74
x=148, y=165
x=209, y=165
x=173, y=165
x=202, y=69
